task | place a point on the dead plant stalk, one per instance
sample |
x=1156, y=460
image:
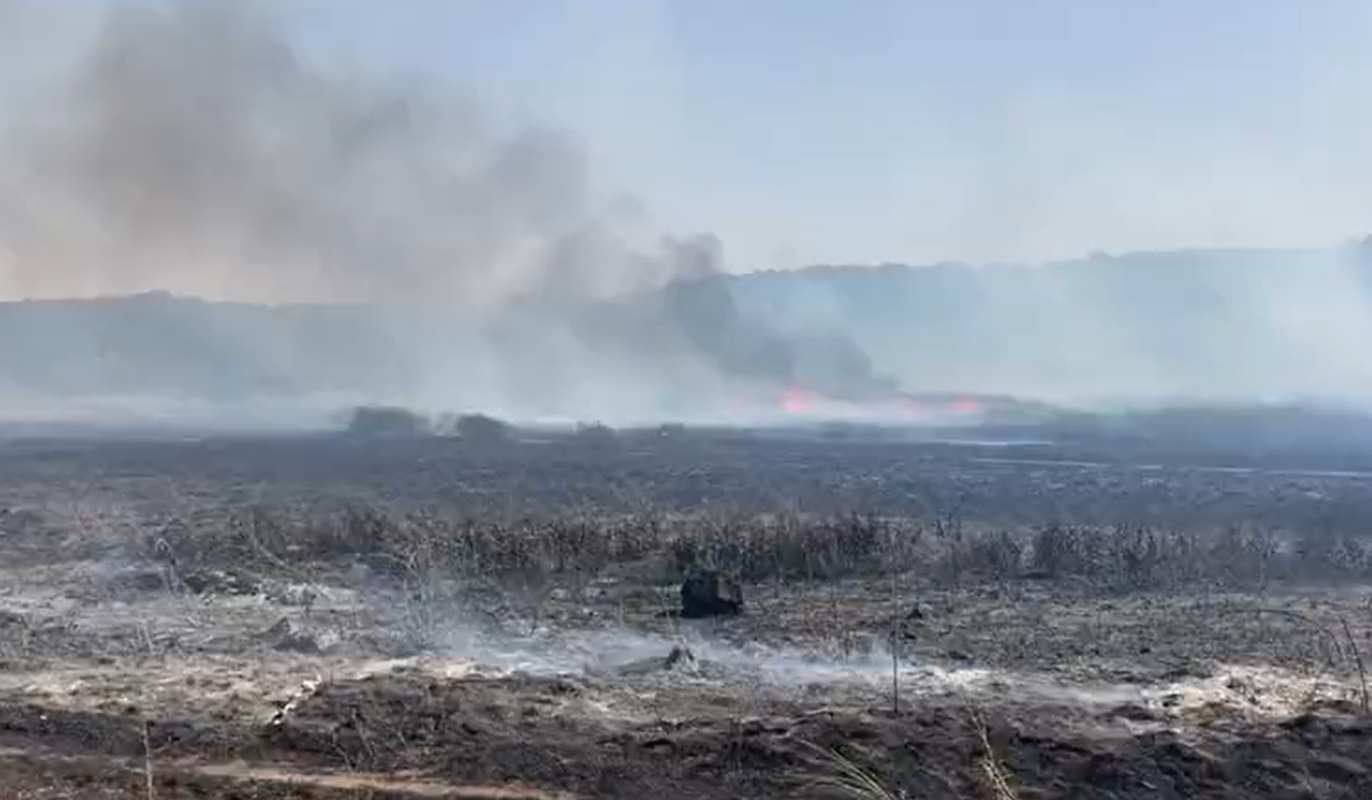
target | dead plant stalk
x=1357, y=657
x=147, y=761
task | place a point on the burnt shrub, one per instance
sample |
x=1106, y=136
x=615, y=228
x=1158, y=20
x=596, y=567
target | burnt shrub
x=482, y=430
x=387, y=421
x=1137, y=558
x=1327, y=556
x=1236, y=556
x=671, y=430
x=596, y=435
x=1061, y=550
x=787, y=546
x=997, y=555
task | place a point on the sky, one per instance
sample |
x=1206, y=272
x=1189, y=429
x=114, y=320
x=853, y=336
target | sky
x=806, y=131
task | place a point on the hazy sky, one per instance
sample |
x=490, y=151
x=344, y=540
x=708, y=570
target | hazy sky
x=894, y=130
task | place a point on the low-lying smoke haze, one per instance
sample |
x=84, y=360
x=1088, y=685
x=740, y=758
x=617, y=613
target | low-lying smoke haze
x=358, y=234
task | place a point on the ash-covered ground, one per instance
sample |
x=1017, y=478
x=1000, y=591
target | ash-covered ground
x=425, y=616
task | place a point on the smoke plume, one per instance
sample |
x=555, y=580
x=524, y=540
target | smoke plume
x=191, y=148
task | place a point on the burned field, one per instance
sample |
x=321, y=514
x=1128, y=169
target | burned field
x=421, y=616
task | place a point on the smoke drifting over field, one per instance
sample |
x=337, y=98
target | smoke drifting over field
x=192, y=149
x=1183, y=325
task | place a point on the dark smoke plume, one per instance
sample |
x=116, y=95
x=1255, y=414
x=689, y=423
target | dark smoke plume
x=702, y=305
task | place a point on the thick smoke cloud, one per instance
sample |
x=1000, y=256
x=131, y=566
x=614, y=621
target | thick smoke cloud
x=191, y=148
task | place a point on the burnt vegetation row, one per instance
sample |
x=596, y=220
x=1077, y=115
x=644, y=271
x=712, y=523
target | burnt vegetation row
x=762, y=548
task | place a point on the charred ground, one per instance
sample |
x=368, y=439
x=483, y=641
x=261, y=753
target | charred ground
x=362, y=616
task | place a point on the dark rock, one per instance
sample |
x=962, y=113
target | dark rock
x=706, y=593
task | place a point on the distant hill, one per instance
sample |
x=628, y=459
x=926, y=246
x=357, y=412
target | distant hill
x=1188, y=324
x=163, y=345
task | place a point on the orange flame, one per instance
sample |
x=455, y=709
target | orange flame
x=966, y=405
x=795, y=400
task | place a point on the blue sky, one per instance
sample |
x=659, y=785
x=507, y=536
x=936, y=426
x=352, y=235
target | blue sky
x=855, y=132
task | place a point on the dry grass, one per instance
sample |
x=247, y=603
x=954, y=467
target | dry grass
x=848, y=779
x=994, y=776
x=1357, y=656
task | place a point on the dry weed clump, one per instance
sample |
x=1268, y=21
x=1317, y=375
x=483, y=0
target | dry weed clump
x=847, y=779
